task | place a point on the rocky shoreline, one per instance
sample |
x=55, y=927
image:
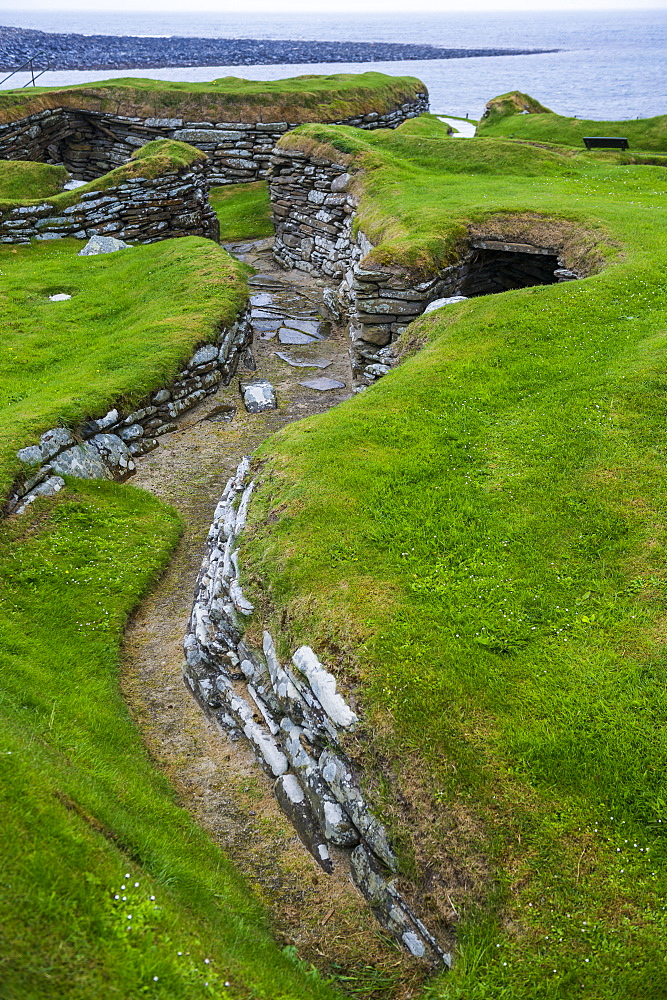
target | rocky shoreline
x=101, y=52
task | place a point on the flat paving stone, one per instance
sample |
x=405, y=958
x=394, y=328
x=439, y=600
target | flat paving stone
x=322, y=384
x=273, y=323
x=304, y=362
x=264, y=313
x=295, y=337
x=304, y=326
x=261, y=299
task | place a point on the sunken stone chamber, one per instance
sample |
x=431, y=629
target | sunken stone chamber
x=496, y=267
x=313, y=205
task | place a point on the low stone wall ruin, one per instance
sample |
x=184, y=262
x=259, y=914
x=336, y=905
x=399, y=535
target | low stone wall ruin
x=107, y=448
x=141, y=209
x=313, y=210
x=293, y=719
x=91, y=143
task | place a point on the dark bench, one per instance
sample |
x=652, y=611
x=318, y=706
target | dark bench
x=605, y=142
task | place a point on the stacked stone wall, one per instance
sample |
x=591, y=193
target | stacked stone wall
x=90, y=143
x=140, y=209
x=313, y=210
x=106, y=448
x=295, y=721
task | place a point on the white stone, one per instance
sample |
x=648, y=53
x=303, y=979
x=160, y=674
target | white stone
x=103, y=244
x=59, y=297
x=323, y=686
x=293, y=789
x=414, y=945
x=449, y=301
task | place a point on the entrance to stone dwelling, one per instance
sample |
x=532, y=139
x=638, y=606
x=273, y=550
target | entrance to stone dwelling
x=499, y=267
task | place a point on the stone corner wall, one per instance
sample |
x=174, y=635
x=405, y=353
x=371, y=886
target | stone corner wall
x=106, y=448
x=313, y=210
x=140, y=209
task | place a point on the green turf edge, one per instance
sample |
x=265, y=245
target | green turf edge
x=508, y=476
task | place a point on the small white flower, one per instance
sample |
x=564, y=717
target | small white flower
x=207, y=961
x=116, y=897
x=155, y=979
x=129, y=916
x=127, y=875
x=152, y=897
x=136, y=885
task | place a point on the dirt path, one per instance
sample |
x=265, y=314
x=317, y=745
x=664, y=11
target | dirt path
x=218, y=781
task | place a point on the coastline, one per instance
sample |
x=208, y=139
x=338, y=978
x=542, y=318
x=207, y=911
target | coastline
x=70, y=51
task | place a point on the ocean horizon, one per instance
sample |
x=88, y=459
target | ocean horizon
x=611, y=64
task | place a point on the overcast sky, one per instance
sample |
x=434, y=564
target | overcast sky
x=362, y=7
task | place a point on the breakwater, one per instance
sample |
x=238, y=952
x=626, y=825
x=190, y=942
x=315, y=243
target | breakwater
x=92, y=52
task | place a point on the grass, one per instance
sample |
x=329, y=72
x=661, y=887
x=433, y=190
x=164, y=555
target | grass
x=504, y=119
x=107, y=888
x=243, y=210
x=22, y=180
x=113, y=341
x=297, y=99
x=478, y=544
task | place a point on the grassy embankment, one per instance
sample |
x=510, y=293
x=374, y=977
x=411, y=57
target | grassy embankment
x=107, y=887
x=505, y=119
x=478, y=544
x=230, y=99
x=243, y=210
x=23, y=180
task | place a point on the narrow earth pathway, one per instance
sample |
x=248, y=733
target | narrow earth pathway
x=218, y=781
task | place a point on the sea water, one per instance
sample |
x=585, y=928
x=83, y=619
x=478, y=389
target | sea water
x=611, y=65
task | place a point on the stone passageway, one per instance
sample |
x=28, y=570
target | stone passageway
x=218, y=781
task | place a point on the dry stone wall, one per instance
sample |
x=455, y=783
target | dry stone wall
x=293, y=718
x=91, y=143
x=106, y=448
x=313, y=211
x=140, y=209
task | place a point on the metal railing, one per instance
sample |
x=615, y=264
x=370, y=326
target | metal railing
x=34, y=71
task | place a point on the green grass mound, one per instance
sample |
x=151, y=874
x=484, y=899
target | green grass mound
x=517, y=116
x=108, y=888
x=296, y=99
x=478, y=544
x=134, y=318
x=412, y=182
x=28, y=183
x=22, y=180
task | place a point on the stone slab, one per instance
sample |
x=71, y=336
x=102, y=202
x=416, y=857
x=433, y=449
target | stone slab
x=295, y=337
x=303, y=362
x=322, y=384
x=103, y=244
x=258, y=396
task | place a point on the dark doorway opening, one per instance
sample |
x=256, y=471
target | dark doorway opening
x=489, y=271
